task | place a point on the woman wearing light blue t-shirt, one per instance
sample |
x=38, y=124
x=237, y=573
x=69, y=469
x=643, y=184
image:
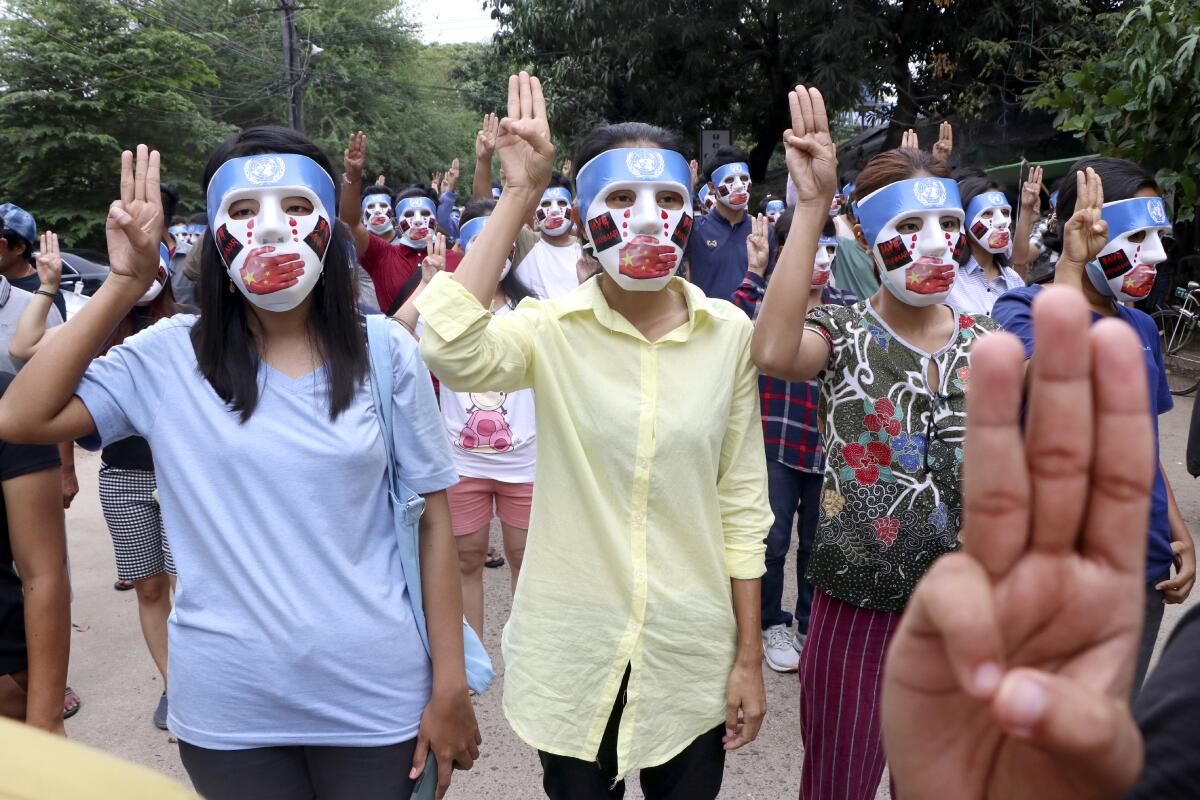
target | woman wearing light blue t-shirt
x=296, y=665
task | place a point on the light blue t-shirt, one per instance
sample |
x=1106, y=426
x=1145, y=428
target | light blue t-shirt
x=292, y=624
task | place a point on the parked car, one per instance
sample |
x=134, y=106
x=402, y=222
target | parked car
x=84, y=268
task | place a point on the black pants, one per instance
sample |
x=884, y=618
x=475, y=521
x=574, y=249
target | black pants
x=694, y=774
x=301, y=773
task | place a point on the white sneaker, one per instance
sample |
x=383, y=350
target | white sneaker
x=798, y=641
x=777, y=647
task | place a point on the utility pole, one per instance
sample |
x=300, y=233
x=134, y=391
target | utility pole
x=294, y=76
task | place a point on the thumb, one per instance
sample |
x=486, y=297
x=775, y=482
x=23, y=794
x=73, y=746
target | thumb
x=1072, y=722
x=138, y=238
x=420, y=755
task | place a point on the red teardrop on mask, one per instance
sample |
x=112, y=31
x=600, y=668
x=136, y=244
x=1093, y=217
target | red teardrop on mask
x=291, y=222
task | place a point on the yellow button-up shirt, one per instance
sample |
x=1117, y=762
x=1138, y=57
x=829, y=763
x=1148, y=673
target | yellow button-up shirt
x=651, y=494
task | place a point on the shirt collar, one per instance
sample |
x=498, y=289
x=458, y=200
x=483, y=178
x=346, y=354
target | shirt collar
x=972, y=266
x=588, y=297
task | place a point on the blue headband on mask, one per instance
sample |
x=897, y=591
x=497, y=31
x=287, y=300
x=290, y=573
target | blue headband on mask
x=703, y=193
x=632, y=165
x=177, y=230
x=164, y=258
x=267, y=170
x=776, y=205
x=915, y=194
x=415, y=203
x=496, y=190
x=469, y=231
x=725, y=170
x=195, y=227
x=827, y=241
x=557, y=193
x=986, y=200
x=1134, y=214
x=366, y=198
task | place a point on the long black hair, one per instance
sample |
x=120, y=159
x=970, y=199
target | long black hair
x=512, y=286
x=1120, y=177
x=227, y=352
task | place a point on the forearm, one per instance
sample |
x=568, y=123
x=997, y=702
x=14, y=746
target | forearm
x=1020, y=257
x=442, y=591
x=481, y=184
x=747, y=612
x=749, y=295
x=407, y=315
x=779, y=330
x=48, y=640
x=350, y=213
x=43, y=388
x=1179, y=528
x=31, y=328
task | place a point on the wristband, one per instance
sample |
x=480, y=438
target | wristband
x=44, y=293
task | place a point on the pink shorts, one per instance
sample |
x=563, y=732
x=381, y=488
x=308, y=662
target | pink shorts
x=471, y=502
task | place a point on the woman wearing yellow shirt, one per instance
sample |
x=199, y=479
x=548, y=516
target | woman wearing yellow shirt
x=634, y=638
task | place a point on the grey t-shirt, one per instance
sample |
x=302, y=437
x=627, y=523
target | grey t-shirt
x=13, y=302
x=292, y=624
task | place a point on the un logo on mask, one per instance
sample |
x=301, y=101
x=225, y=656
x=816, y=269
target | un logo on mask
x=264, y=169
x=1158, y=212
x=645, y=164
x=930, y=192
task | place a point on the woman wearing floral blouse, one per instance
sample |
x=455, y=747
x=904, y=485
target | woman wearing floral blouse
x=894, y=372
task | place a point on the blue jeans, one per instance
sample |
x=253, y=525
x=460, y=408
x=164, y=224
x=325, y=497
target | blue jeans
x=791, y=492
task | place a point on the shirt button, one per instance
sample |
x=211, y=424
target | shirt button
x=643, y=463
x=637, y=518
x=647, y=407
x=640, y=575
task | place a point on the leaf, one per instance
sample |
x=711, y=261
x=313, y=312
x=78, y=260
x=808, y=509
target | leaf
x=864, y=438
x=886, y=475
x=846, y=474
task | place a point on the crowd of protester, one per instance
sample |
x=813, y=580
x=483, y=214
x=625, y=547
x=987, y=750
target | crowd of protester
x=655, y=389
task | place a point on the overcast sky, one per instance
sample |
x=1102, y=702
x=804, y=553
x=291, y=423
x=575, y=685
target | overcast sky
x=450, y=21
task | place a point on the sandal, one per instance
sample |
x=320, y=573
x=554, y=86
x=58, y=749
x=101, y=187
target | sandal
x=70, y=712
x=494, y=559
x=123, y=586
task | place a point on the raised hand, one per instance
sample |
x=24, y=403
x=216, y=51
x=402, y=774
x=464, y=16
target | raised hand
x=810, y=153
x=135, y=222
x=435, y=182
x=524, y=145
x=1009, y=675
x=49, y=262
x=1031, y=191
x=908, y=140
x=565, y=171
x=1085, y=233
x=485, y=140
x=694, y=167
x=355, y=156
x=380, y=180
x=758, y=248
x=450, y=182
x=945, y=143
x=435, y=258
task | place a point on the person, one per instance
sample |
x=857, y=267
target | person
x=1027, y=248
x=1113, y=263
x=394, y=268
x=716, y=251
x=774, y=208
x=492, y=435
x=984, y=272
x=551, y=267
x=650, y=444
x=35, y=590
x=295, y=658
x=1009, y=675
x=705, y=201
x=127, y=482
x=183, y=276
x=795, y=458
x=378, y=217
x=449, y=214
x=853, y=269
x=894, y=373
x=18, y=237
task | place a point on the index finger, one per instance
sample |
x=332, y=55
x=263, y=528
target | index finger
x=794, y=109
x=820, y=116
x=806, y=111
x=153, y=181
x=139, y=173
x=126, y=177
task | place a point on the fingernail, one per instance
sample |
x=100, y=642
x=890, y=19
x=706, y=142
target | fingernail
x=1025, y=700
x=986, y=679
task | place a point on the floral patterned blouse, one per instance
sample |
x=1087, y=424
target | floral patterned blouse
x=891, y=502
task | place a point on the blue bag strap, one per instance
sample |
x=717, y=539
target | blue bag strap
x=407, y=505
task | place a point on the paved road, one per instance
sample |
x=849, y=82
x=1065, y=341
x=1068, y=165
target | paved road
x=112, y=671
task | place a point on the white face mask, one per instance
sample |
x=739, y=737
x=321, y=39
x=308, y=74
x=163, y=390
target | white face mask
x=416, y=221
x=731, y=184
x=823, y=266
x=1127, y=266
x=553, y=212
x=637, y=214
x=989, y=218
x=161, y=278
x=377, y=214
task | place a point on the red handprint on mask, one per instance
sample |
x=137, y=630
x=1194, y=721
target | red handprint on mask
x=643, y=257
x=263, y=273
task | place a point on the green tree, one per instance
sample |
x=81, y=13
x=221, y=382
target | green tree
x=1139, y=98
x=85, y=79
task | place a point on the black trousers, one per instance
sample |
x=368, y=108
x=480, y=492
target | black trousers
x=301, y=773
x=694, y=774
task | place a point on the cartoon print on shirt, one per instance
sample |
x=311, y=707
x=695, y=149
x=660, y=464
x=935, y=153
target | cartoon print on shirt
x=487, y=429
